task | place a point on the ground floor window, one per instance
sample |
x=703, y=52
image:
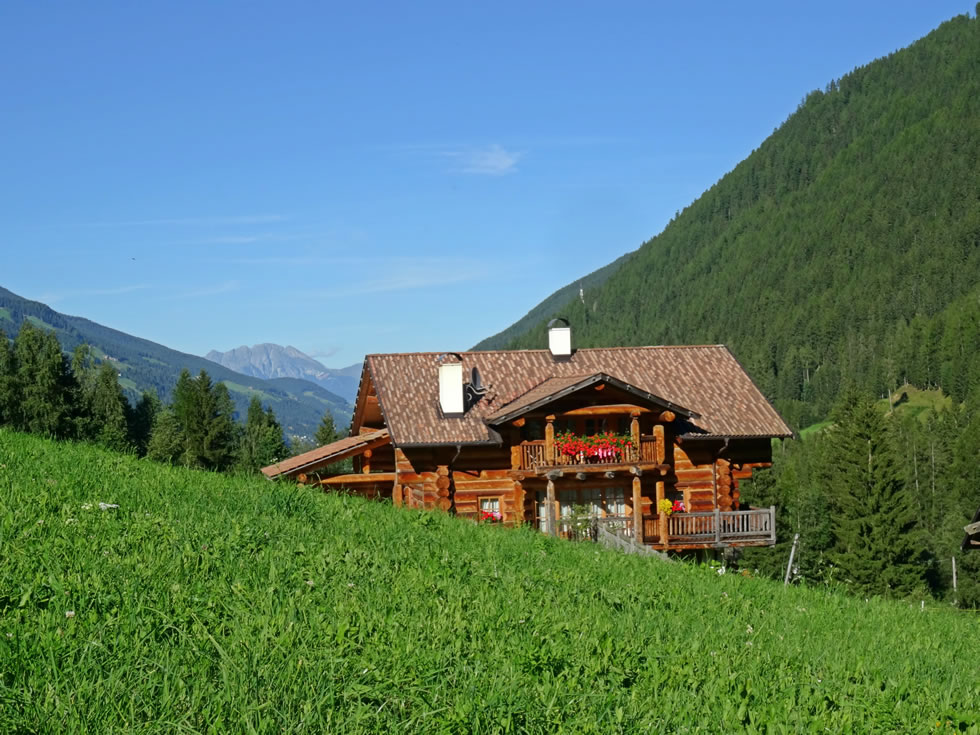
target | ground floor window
x=573, y=503
x=490, y=509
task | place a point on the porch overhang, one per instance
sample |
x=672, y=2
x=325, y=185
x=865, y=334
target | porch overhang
x=316, y=459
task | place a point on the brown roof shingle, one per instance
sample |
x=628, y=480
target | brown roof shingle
x=706, y=380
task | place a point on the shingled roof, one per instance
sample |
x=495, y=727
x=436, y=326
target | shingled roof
x=706, y=380
x=320, y=457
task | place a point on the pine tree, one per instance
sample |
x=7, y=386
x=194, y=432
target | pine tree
x=48, y=391
x=141, y=420
x=108, y=410
x=9, y=392
x=260, y=442
x=166, y=440
x=876, y=547
x=326, y=432
x=204, y=412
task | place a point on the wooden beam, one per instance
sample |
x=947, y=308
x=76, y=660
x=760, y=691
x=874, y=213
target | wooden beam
x=616, y=408
x=358, y=479
x=666, y=417
x=519, y=422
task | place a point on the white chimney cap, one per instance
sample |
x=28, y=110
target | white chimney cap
x=451, y=386
x=559, y=338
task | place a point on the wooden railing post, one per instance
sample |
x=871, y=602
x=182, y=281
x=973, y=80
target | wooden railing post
x=637, y=510
x=635, y=433
x=717, y=525
x=772, y=523
x=661, y=516
x=552, y=508
x=549, y=440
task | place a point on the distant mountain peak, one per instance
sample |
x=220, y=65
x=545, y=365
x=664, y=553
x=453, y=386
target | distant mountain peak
x=269, y=360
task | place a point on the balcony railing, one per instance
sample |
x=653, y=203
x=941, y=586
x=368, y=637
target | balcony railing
x=534, y=455
x=723, y=527
x=718, y=528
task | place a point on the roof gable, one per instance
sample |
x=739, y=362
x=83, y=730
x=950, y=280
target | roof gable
x=553, y=389
x=706, y=380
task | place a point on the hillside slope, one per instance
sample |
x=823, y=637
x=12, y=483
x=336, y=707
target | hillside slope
x=145, y=365
x=268, y=361
x=846, y=247
x=205, y=602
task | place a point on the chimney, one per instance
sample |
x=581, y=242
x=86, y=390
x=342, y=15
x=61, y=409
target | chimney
x=560, y=337
x=451, y=385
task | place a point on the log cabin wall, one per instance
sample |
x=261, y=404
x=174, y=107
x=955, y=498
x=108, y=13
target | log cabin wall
x=708, y=472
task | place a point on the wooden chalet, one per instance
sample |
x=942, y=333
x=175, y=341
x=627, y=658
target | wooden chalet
x=507, y=435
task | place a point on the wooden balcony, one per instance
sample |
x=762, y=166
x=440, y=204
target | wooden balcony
x=534, y=457
x=717, y=529
x=685, y=531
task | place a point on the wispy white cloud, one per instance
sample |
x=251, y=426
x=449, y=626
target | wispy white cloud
x=245, y=239
x=248, y=219
x=53, y=297
x=493, y=160
x=323, y=353
x=481, y=160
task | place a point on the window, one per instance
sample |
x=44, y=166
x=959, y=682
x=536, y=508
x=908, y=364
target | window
x=490, y=509
x=599, y=502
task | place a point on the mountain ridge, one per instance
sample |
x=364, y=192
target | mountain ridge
x=844, y=248
x=269, y=360
x=145, y=365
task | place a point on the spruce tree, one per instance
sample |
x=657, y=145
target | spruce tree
x=108, y=408
x=48, y=391
x=9, y=392
x=260, y=442
x=204, y=412
x=166, y=440
x=141, y=420
x=326, y=432
x=876, y=547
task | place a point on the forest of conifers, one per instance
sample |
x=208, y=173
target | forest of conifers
x=840, y=262
x=846, y=248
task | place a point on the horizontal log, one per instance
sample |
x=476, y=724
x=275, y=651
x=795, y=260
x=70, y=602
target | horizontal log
x=360, y=479
x=624, y=409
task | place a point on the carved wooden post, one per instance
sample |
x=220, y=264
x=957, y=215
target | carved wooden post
x=552, y=509
x=662, y=517
x=660, y=450
x=637, y=511
x=515, y=457
x=635, y=433
x=549, y=440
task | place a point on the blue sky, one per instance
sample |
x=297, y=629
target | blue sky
x=378, y=177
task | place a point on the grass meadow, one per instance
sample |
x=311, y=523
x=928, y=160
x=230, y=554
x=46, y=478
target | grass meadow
x=210, y=603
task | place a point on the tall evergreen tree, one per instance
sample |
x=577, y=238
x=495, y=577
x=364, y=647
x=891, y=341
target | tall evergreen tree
x=9, y=392
x=326, y=432
x=166, y=441
x=48, y=391
x=141, y=420
x=204, y=412
x=260, y=442
x=876, y=547
x=108, y=409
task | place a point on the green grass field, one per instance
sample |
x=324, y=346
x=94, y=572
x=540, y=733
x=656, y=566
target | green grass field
x=208, y=603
